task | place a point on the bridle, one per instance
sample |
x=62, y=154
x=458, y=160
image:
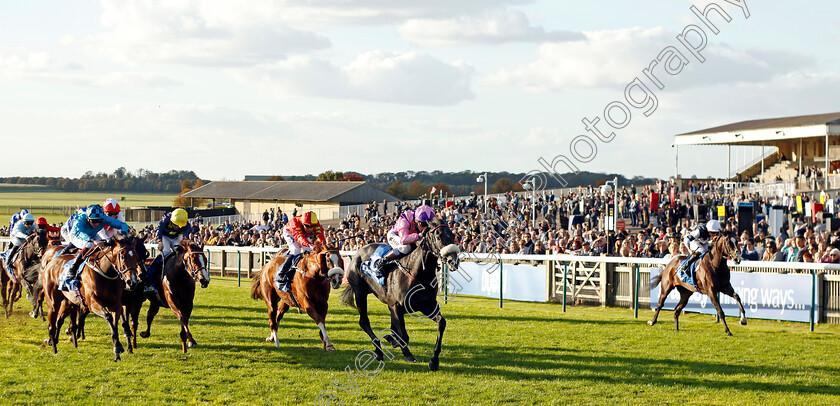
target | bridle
x=194, y=270
x=93, y=263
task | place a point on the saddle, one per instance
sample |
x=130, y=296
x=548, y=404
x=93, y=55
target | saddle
x=687, y=275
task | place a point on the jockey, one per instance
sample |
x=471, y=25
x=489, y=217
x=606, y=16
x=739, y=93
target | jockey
x=17, y=217
x=21, y=230
x=42, y=224
x=112, y=209
x=408, y=229
x=172, y=228
x=697, y=242
x=81, y=231
x=298, y=234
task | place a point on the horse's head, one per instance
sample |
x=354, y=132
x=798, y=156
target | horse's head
x=331, y=260
x=440, y=239
x=123, y=255
x=195, y=262
x=727, y=245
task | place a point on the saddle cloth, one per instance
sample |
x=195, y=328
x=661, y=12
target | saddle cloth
x=687, y=275
x=381, y=251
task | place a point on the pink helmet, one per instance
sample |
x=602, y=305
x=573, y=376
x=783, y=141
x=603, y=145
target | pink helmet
x=424, y=213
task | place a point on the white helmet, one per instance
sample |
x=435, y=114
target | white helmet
x=713, y=226
x=28, y=218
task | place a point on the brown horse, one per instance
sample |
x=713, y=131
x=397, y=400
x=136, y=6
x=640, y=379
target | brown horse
x=310, y=288
x=183, y=268
x=107, y=271
x=27, y=269
x=132, y=300
x=711, y=275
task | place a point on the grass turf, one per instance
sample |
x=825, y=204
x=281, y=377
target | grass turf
x=524, y=353
x=47, y=203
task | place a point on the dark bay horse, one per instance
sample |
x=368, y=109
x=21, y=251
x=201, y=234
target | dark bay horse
x=183, y=268
x=108, y=270
x=132, y=300
x=27, y=269
x=412, y=287
x=316, y=271
x=711, y=275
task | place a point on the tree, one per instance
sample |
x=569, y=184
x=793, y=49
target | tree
x=352, y=177
x=415, y=189
x=186, y=184
x=274, y=178
x=330, y=176
x=503, y=185
x=397, y=189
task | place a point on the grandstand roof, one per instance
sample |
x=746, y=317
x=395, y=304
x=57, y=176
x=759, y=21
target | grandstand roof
x=298, y=191
x=757, y=132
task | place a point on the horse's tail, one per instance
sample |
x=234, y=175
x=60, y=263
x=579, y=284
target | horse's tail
x=255, y=286
x=348, y=296
x=654, y=282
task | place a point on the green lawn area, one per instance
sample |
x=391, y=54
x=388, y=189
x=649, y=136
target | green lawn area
x=47, y=204
x=524, y=353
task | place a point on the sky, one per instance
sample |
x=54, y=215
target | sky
x=229, y=89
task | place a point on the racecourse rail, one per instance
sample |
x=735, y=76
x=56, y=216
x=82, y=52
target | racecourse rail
x=565, y=279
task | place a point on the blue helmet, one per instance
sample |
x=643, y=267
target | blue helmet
x=95, y=212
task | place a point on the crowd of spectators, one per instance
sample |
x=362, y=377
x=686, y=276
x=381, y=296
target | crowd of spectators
x=573, y=221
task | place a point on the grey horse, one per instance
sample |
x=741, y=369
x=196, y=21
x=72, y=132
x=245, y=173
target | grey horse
x=412, y=287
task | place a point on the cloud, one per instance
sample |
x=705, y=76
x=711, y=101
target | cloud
x=379, y=76
x=198, y=34
x=612, y=58
x=491, y=27
x=41, y=67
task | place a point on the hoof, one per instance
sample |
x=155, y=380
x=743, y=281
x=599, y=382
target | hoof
x=144, y=334
x=192, y=343
x=378, y=355
x=329, y=348
x=729, y=334
x=269, y=339
x=276, y=342
x=651, y=322
x=33, y=314
x=47, y=341
x=119, y=350
x=68, y=331
x=744, y=322
x=117, y=358
x=411, y=359
x=434, y=364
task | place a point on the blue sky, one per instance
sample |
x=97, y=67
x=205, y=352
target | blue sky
x=283, y=87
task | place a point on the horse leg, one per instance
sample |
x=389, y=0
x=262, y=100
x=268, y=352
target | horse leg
x=684, y=295
x=52, y=327
x=150, y=315
x=719, y=309
x=135, y=316
x=364, y=323
x=433, y=312
x=183, y=334
x=112, y=318
x=731, y=292
x=281, y=311
x=319, y=320
x=185, y=322
x=72, y=325
x=398, y=328
x=127, y=330
x=80, y=329
x=664, y=291
x=271, y=303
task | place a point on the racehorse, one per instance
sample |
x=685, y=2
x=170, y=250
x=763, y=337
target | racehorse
x=183, y=268
x=711, y=275
x=132, y=300
x=26, y=266
x=412, y=289
x=108, y=269
x=310, y=289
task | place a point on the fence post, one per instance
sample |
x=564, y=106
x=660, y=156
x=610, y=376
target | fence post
x=445, y=276
x=565, y=277
x=238, y=268
x=501, y=284
x=813, y=296
x=636, y=293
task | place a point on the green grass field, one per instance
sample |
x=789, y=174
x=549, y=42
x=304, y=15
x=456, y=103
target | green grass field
x=523, y=354
x=46, y=203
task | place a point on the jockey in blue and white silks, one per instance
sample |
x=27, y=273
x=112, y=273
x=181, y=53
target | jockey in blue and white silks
x=82, y=229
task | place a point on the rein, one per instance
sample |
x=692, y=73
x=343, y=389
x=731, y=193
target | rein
x=194, y=271
x=97, y=269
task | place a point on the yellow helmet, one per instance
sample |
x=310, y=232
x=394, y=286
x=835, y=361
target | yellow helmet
x=179, y=217
x=309, y=218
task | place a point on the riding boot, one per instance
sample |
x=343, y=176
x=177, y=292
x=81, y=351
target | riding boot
x=380, y=267
x=8, y=264
x=73, y=273
x=151, y=275
x=281, y=280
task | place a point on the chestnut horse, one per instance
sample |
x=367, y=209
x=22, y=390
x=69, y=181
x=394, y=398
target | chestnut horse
x=411, y=288
x=711, y=275
x=310, y=288
x=27, y=267
x=108, y=269
x=183, y=268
